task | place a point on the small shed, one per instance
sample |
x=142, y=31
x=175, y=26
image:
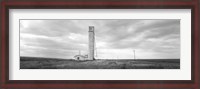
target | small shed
x=81, y=57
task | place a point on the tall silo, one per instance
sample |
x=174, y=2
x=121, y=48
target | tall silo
x=91, y=43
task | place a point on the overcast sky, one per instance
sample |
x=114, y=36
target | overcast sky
x=115, y=39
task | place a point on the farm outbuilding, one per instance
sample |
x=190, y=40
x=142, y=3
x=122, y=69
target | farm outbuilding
x=81, y=57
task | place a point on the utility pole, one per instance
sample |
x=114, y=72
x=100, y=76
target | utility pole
x=134, y=53
x=96, y=52
x=79, y=52
x=95, y=47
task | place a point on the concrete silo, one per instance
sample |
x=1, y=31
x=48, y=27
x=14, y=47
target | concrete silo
x=91, y=44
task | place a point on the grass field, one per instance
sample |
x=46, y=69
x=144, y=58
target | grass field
x=53, y=63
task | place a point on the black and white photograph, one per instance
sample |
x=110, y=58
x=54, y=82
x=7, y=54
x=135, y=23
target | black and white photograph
x=99, y=43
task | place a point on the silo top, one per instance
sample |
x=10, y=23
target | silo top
x=91, y=28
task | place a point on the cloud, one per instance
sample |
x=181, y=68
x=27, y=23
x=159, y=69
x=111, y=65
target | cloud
x=63, y=38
